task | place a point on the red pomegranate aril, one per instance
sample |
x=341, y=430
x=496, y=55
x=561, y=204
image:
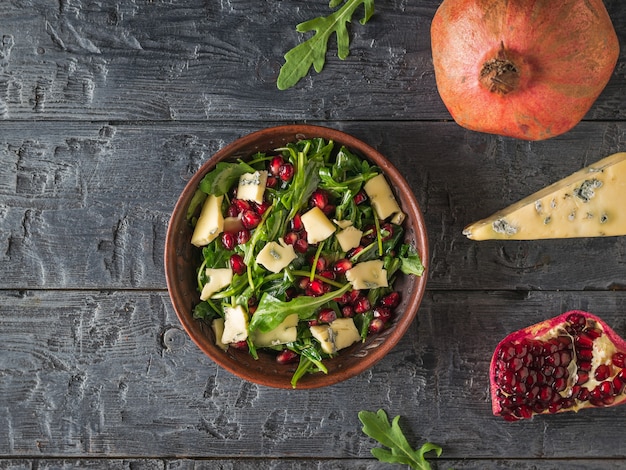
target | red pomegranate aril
x=242, y=204
x=250, y=219
x=347, y=311
x=391, y=300
x=360, y=197
x=243, y=237
x=619, y=359
x=229, y=240
x=301, y=245
x=319, y=198
x=290, y=238
x=328, y=274
x=237, y=264
x=232, y=211
x=546, y=368
x=362, y=305
x=275, y=164
x=329, y=210
x=376, y=326
x=320, y=263
x=271, y=182
x=241, y=345
x=327, y=315
x=296, y=223
x=603, y=371
x=262, y=207
x=285, y=172
x=287, y=356
x=342, y=265
x=384, y=313
x=315, y=288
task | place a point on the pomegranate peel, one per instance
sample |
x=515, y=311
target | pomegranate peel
x=567, y=363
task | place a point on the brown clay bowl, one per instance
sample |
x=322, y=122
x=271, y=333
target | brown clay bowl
x=182, y=259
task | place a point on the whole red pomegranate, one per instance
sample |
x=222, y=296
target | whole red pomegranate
x=529, y=69
x=567, y=363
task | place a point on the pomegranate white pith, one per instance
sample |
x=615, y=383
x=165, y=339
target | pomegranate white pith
x=567, y=363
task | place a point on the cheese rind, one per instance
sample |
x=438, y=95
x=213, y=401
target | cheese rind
x=588, y=203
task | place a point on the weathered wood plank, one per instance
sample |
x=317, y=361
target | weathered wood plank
x=87, y=205
x=88, y=373
x=200, y=60
x=295, y=464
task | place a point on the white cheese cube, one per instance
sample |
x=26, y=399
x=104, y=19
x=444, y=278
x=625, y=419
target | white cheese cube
x=337, y=335
x=217, y=326
x=233, y=224
x=235, y=325
x=210, y=223
x=349, y=237
x=383, y=200
x=317, y=225
x=218, y=278
x=274, y=257
x=367, y=275
x=285, y=332
x=252, y=186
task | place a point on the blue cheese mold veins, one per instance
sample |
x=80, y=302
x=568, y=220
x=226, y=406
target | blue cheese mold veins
x=300, y=248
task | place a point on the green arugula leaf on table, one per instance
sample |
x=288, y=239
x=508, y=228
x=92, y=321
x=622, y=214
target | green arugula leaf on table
x=312, y=52
x=411, y=261
x=377, y=426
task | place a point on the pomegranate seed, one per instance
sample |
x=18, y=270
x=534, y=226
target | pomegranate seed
x=315, y=288
x=586, y=354
x=290, y=238
x=275, y=164
x=342, y=265
x=584, y=341
x=243, y=236
x=261, y=208
x=355, y=251
x=287, y=356
x=232, y=211
x=619, y=359
x=360, y=197
x=603, y=372
x=296, y=223
x=327, y=315
x=577, y=321
x=391, y=300
x=347, y=311
x=387, y=231
x=303, y=283
x=320, y=264
x=384, y=313
x=319, y=198
x=242, y=205
x=344, y=299
x=285, y=172
x=271, y=182
x=237, y=264
x=376, y=326
x=301, y=245
x=606, y=388
x=618, y=385
x=362, y=305
x=583, y=377
x=228, y=240
x=328, y=274
x=241, y=345
x=250, y=219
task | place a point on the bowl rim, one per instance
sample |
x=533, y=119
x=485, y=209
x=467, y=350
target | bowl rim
x=407, y=200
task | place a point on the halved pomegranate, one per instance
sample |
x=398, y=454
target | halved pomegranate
x=567, y=363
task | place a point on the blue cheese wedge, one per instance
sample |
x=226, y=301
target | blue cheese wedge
x=252, y=186
x=318, y=227
x=210, y=223
x=235, y=325
x=276, y=256
x=217, y=279
x=382, y=199
x=337, y=335
x=368, y=275
x=588, y=203
x=285, y=332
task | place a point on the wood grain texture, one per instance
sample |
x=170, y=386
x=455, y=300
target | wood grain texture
x=198, y=60
x=94, y=373
x=104, y=194
x=108, y=108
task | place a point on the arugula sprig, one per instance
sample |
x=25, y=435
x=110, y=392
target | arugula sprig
x=377, y=426
x=312, y=52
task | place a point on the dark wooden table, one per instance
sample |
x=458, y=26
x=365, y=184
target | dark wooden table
x=108, y=108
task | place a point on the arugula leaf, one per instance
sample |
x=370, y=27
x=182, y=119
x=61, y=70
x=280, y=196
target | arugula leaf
x=222, y=178
x=272, y=311
x=411, y=261
x=312, y=52
x=376, y=426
